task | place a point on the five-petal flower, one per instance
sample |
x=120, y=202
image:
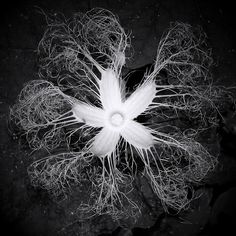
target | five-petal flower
x=116, y=117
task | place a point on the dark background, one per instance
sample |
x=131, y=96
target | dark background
x=26, y=212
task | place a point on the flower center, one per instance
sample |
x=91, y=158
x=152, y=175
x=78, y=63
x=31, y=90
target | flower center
x=117, y=119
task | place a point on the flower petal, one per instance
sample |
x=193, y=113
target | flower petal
x=91, y=115
x=140, y=99
x=110, y=90
x=105, y=142
x=137, y=135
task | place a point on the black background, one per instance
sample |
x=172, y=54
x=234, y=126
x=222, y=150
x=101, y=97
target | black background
x=25, y=212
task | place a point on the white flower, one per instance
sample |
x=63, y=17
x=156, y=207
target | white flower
x=116, y=117
x=78, y=49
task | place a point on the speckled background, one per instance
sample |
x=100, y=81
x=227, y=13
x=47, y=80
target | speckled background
x=23, y=210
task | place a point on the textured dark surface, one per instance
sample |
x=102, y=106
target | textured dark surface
x=27, y=212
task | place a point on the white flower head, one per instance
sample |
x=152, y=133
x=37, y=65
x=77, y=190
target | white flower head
x=85, y=56
x=116, y=117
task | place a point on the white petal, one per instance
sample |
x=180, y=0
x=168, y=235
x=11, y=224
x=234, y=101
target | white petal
x=91, y=115
x=110, y=90
x=140, y=99
x=137, y=135
x=105, y=142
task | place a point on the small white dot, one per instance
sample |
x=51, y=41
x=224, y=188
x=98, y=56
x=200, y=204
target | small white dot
x=117, y=119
